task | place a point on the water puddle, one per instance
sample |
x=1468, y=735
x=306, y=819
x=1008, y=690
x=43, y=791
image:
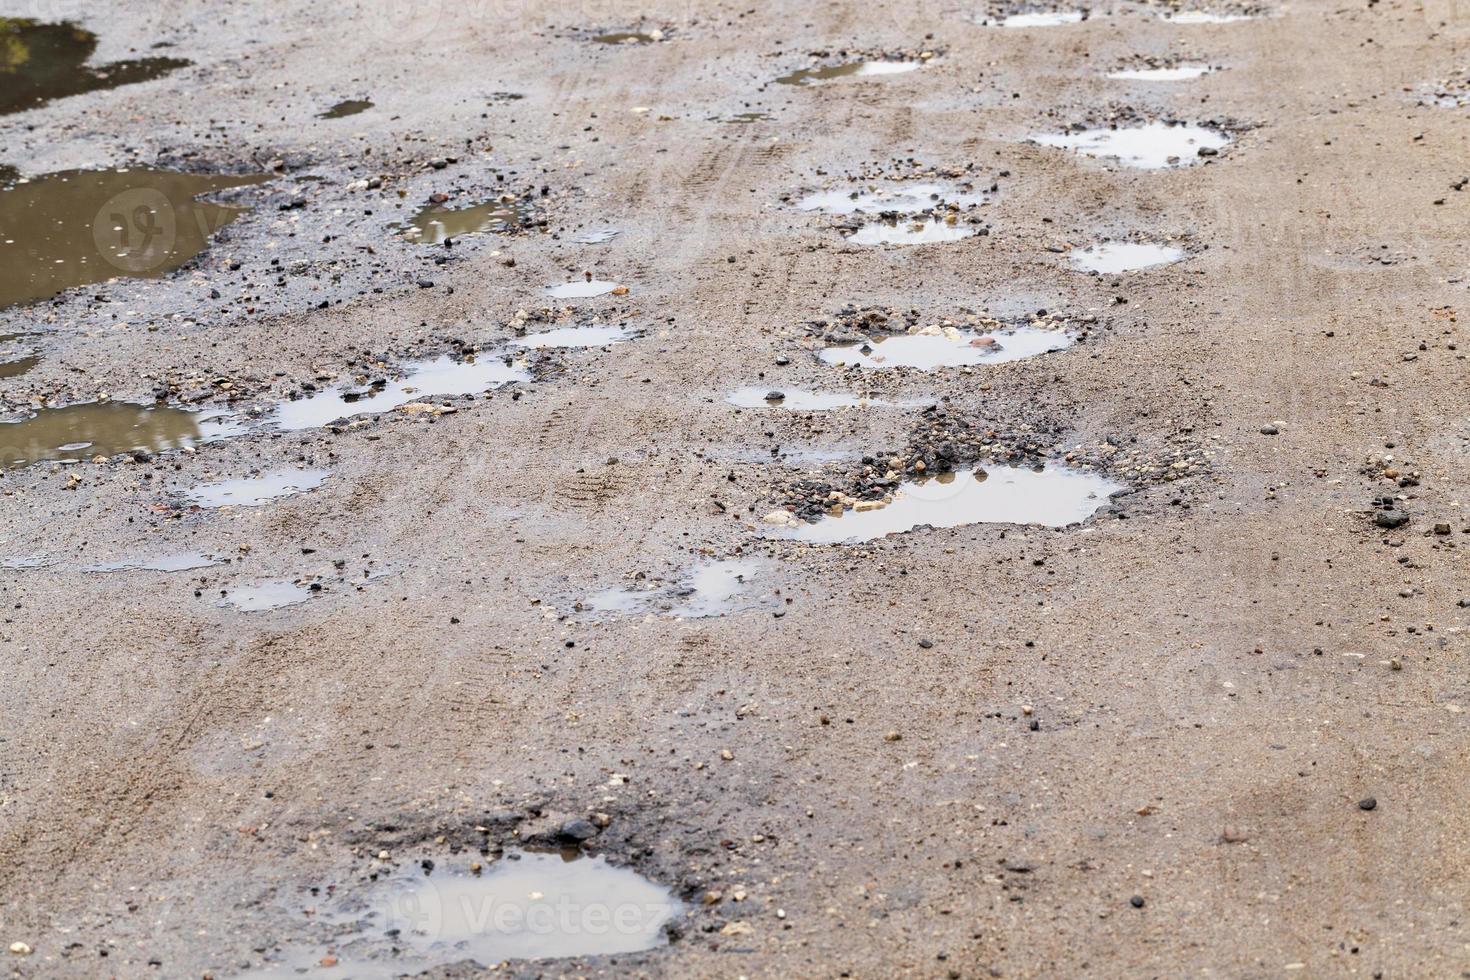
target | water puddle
x=1151, y=146
x=20, y=563
x=524, y=906
x=1202, y=17
x=442, y=376
x=897, y=231
x=437, y=224
x=266, y=596
x=851, y=69
x=948, y=347
x=17, y=367
x=581, y=289
x=1177, y=73
x=1052, y=497
x=1110, y=258
x=713, y=589
x=799, y=400
x=41, y=62
x=566, y=338
x=901, y=199
x=182, y=562
x=629, y=37
x=80, y=227
x=81, y=432
x=1043, y=18
x=255, y=491
x=742, y=118
x=348, y=107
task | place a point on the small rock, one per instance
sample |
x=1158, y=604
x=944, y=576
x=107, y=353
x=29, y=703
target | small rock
x=1390, y=518
x=1368, y=803
x=577, y=830
x=1136, y=901
x=1270, y=430
x=892, y=737
x=20, y=949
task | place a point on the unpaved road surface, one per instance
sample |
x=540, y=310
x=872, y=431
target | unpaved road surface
x=1139, y=746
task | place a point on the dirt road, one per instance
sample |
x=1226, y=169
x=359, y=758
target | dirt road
x=1218, y=727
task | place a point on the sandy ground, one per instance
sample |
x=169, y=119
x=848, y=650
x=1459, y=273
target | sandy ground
x=1215, y=682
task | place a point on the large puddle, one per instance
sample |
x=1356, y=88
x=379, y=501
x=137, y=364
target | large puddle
x=850, y=69
x=524, y=906
x=437, y=224
x=442, y=376
x=948, y=347
x=80, y=227
x=900, y=198
x=41, y=62
x=256, y=490
x=1151, y=146
x=1052, y=497
x=715, y=588
x=1110, y=258
x=81, y=432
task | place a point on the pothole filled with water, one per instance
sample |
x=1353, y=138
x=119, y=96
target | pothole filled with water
x=255, y=490
x=442, y=376
x=800, y=400
x=1110, y=258
x=714, y=588
x=40, y=62
x=583, y=289
x=184, y=561
x=1161, y=73
x=897, y=198
x=900, y=231
x=91, y=429
x=20, y=365
x=567, y=338
x=940, y=347
x=80, y=227
x=437, y=224
x=347, y=107
x=1040, y=18
x=629, y=37
x=265, y=596
x=849, y=69
x=1054, y=496
x=526, y=905
x=1149, y=146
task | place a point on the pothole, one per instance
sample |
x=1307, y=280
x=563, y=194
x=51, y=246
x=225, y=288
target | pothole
x=1110, y=258
x=629, y=37
x=265, y=596
x=897, y=198
x=91, y=429
x=256, y=490
x=566, y=338
x=347, y=107
x=1053, y=496
x=40, y=62
x=442, y=376
x=937, y=347
x=898, y=231
x=800, y=400
x=436, y=224
x=847, y=69
x=714, y=588
x=583, y=289
x=527, y=905
x=1149, y=146
x=184, y=561
x=80, y=227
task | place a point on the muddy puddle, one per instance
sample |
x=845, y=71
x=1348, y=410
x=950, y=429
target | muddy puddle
x=801, y=400
x=437, y=224
x=256, y=490
x=1111, y=258
x=440, y=377
x=80, y=227
x=41, y=62
x=629, y=37
x=17, y=367
x=581, y=289
x=345, y=108
x=898, y=231
x=850, y=69
x=949, y=347
x=743, y=118
x=1150, y=146
x=84, y=431
x=265, y=596
x=715, y=588
x=1052, y=497
x=1176, y=73
x=569, y=338
x=184, y=561
x=899, y=198
x=526, y=905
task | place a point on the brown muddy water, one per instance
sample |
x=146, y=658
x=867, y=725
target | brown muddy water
x=437, y=224
x=348, y=107
x=40, y=62
x=80, y=227
x=90, y=429
x=850, y=69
